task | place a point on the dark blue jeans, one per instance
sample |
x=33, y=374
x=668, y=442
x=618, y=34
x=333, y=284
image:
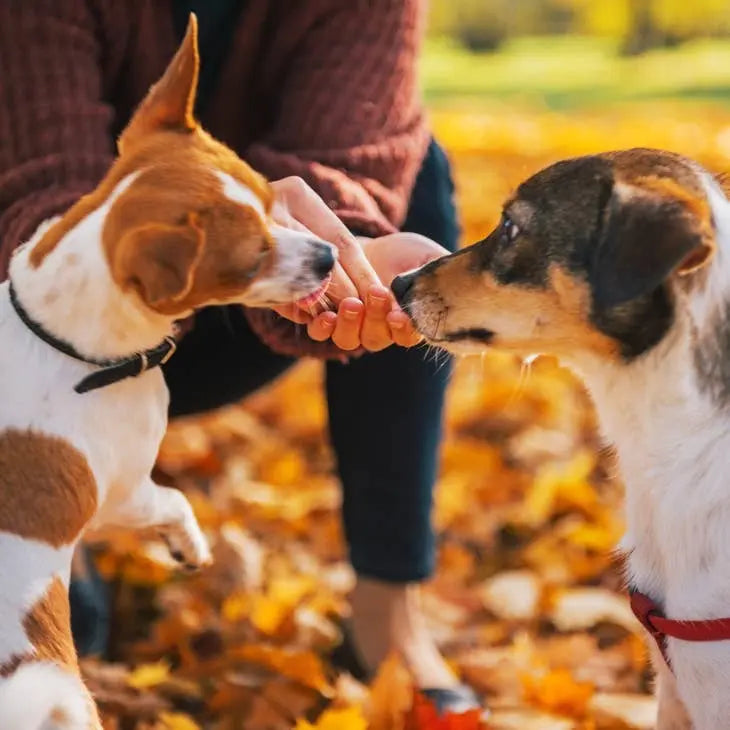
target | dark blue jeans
x=385, y=409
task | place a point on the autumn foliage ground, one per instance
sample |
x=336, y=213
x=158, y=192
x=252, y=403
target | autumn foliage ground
x=526, y=602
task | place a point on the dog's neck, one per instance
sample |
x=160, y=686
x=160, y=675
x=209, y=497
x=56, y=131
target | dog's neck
x=72, y=295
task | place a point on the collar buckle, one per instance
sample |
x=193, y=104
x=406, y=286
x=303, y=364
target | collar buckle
x=173, y=348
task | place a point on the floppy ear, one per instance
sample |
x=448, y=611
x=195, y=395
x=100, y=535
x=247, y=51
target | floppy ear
x=159, y=261
x=649, y=233
x=169, y=103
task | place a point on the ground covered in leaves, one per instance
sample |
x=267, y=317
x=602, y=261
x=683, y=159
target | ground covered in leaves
x=526, y=602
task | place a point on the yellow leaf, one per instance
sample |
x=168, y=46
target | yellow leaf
x=236, y=606
x=178, y=721
x=566, y=486
x=558, y=692
x=348, y=719
x=149, y=675
x=268, y=615
x=292, y=590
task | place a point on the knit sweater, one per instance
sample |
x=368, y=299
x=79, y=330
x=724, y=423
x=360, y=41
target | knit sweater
x=323, y=89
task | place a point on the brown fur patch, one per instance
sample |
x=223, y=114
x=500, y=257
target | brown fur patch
x=633, y=165
x=553, y=318
x=183, y=207
x=164, y=139
x=559, y=315
x=48, y=626
x=47, y=490
x=695, y=202
x=8, y=667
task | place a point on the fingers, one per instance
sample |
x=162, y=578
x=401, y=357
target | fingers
x=341, y=287
x=311, y=211
x=374, y=327
x=375, y=334
x=322, y=327
x=346, y=334
x=401, y=329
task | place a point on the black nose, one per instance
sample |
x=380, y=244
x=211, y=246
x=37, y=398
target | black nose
x=401, y=286
x=324, y=259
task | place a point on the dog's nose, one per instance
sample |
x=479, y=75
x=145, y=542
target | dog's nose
x=401, y=285
x=324, y=259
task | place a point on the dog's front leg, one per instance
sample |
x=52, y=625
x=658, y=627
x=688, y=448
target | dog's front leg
x=672, y=714
x=167, y=509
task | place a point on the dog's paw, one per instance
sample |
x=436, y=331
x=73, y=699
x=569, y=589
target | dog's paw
x=188, y=547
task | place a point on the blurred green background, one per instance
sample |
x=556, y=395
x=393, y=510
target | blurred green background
x=567, y=53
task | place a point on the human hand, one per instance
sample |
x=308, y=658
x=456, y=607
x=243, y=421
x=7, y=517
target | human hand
x=366, y=313
x=299, y=207
x=379, y=321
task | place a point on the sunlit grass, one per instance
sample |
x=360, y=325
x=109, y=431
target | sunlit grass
x=575, y=71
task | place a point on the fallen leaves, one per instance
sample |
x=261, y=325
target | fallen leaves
x=177, y=721
x=302, y=666
x=347, y=719
x=558, y=692
x=423, y=715
x=147, y=676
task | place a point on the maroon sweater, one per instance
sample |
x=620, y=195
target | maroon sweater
x=324, y=89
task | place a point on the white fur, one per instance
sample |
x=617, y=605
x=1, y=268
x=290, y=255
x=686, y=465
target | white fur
x=99, y=319
x=32, y=694
x=673, y=445
x=117, y=428
x=25, y=579
x=240, y=193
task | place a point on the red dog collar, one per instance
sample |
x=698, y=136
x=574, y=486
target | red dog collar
x=660, y=627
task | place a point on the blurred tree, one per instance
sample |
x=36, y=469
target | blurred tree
x=638, y=24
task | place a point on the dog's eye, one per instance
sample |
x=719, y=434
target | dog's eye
x=510, y=230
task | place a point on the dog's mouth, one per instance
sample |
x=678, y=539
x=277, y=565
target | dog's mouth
x=472, y=335
x=315, y=296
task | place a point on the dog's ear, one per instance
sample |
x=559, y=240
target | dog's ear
x=169, y=103
x=652, y=229
x=159, y=261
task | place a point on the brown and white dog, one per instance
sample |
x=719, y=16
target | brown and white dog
x=179, y=222
x=619, y=264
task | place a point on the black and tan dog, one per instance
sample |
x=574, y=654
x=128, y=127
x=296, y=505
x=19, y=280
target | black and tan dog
x=619, y=264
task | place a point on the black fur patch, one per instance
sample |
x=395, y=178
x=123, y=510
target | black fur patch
x=712, y=359
x=474, y=334
x=623, y=253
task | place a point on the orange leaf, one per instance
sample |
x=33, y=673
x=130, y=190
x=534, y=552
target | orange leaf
x=348, y=719
x=423, y=715
x=559, y=692
x=390, y=695
x=301, y=666
x=178, y=721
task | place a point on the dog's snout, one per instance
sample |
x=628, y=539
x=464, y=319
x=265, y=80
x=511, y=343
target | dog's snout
x=324, y=259
x=401, y=286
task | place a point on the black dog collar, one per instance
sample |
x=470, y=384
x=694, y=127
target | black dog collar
x=111, y=371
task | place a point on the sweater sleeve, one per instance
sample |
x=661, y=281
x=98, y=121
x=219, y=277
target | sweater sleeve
x=55, y=134
x=351, y=124
x=349, y=118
